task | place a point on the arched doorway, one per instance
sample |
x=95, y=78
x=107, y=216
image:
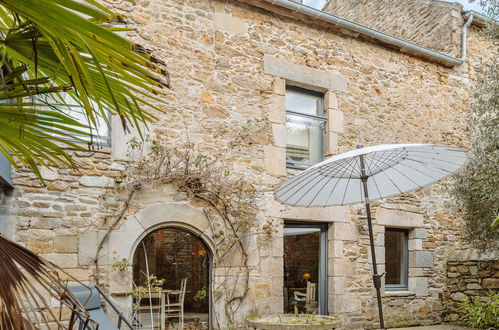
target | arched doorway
x=174, y=255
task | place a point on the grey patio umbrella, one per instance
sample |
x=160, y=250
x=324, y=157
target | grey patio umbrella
x=368, y=174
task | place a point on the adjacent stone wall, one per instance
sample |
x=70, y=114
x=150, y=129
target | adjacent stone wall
x=229, y=63
x=428, y=23
x=469, y=274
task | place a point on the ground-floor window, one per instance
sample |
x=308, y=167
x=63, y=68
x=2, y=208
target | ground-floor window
x=396, y=258
x=305, y=268
x=180, y=263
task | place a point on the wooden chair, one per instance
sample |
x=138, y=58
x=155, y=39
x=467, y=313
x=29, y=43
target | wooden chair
x=174, y=303
x=308, y=299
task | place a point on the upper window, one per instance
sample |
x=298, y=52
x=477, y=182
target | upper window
x=396, y=258
x=100, y=135
x=304, y=127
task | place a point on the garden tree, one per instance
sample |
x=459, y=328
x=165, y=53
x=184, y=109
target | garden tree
x=477, y=186
x=51, y=47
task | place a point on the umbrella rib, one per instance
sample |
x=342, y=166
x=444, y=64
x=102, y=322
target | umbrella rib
x=440, y=160
x=299, y=180
x=415, y=169
x=376, y=185
x=384, y=173
x=408, y=178
x=307, y=192
x=378, y=159
x=430, y=164
x=332, y=190
x=318, y=192
x=459, y=153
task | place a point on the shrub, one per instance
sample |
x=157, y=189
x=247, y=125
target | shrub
x=481, y=312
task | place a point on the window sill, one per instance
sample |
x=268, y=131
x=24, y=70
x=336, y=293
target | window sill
x=398, y=293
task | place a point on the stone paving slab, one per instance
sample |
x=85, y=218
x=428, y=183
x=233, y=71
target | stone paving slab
x=436, y=327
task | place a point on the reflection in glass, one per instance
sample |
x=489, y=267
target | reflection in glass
x=301, y=269
x=303, y=140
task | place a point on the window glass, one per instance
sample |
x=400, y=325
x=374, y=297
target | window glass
x=304, y=127
x=303, y=140
x=396, y=253
x=66, y=104
x=303, y=102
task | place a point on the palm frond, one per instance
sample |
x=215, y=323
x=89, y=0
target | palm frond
x=32, y=294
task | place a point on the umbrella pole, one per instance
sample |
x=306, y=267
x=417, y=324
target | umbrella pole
x=376, y=276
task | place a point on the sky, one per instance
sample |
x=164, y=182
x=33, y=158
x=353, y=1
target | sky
x=467, y=6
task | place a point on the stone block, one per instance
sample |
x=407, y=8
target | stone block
x=279, y=86
x=490, y=283
x=335, y=249
x=421, y=259
x=66, y=243
x=346, y=303
x=336, y=285
x=420, y=233
x=335, y=121
x=279, y=135
x=96, y=181
x=274, y=160
x=49, y=174
x=341, y=267
x=401, y=219
x=415, y=244
x=299, y=75
x=324, y=214
x=331, y=100
x=62, y=260
x=277, y=109
x=339, y=83
x=87, y=246
x=419, y=285
x=228, y=23
x=331, y=144
x=345, y=231
x=40, y=247
x=380, y=255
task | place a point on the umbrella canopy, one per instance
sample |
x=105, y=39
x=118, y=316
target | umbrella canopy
x=368, y=174
x=392, y=169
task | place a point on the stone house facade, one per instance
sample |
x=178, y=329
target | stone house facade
x=235, y=61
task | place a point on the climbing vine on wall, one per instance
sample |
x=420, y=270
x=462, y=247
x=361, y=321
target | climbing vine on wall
x=229, y=202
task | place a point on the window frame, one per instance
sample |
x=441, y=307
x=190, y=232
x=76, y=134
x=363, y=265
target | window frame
x=99, y=141
x=322, y=290
x=321, y=118
x=404, y=262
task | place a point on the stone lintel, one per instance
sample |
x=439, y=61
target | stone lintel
x=229, y=23
x=401, y=219
x=304, y=76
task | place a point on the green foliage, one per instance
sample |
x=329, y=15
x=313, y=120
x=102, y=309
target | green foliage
x=481, y=312
x=477, y=187
x=201, y=294
x=49, y=47
x=151, y=283
x=122, y=265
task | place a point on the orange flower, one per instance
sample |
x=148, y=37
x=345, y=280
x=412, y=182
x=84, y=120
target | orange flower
x=306, y=276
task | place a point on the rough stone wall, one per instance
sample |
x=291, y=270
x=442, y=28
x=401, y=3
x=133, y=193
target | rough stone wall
x=428, y=23
x=469, y=274
x=229, y=63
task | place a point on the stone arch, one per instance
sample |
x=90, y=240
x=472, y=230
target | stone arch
x=123, y=241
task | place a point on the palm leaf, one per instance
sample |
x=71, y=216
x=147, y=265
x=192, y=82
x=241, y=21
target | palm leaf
x=52, y=46
x=32, y=293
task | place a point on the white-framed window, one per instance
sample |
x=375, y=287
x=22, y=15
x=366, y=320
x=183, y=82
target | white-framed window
x=101, y=135
x=305, y=124
x=396, y=259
